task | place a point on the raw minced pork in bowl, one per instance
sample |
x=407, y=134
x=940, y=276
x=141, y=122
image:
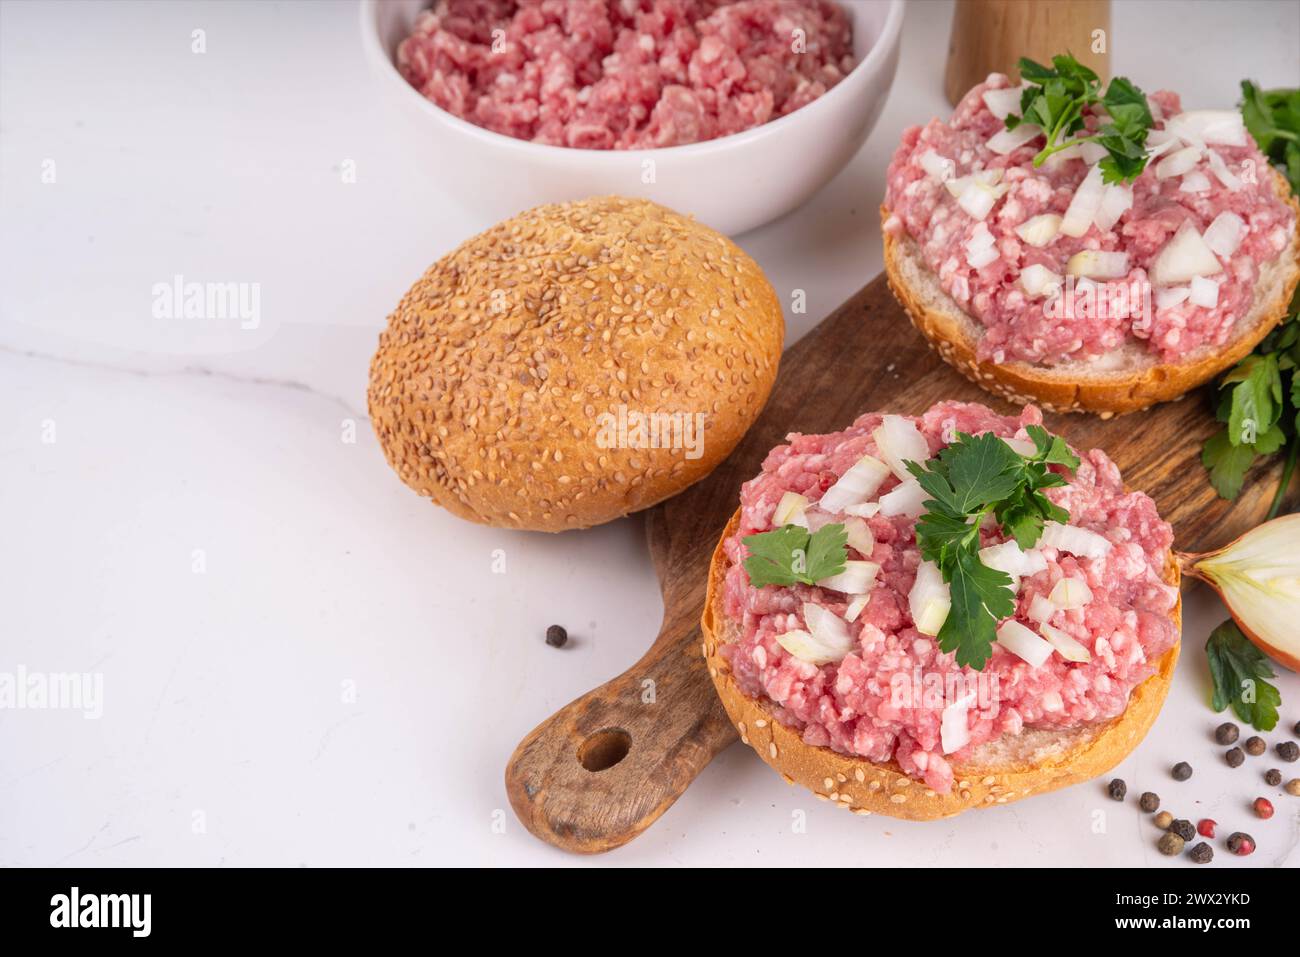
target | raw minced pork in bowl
x=811, y=673
x=1046, y=283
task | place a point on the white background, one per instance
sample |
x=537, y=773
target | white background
x=223, y=691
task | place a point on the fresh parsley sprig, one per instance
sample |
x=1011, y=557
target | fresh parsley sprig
x=1238, y=670
x=792, y=555
x=1055, y=100
x=974, y=478
x=1273, y=118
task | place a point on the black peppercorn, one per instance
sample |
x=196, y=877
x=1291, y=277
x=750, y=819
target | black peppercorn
x=1183, y=828
x=1288, y=750
x=1117, y=789
x=1182, y=771
x=1296, y=729
x=1227, y=733
x=1202, y=853
x=1149, y=802
x=556, y=636
x=1234, y=757
x=1273, y=777
x=1255, y=746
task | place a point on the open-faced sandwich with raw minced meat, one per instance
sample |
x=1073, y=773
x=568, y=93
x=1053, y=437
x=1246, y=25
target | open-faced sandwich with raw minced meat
x=922, y=615
x=1087, y=250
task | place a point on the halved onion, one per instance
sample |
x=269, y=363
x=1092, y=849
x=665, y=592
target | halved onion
x=1220, y=169
x=906, y=498
x=859, y=535
x=1039, y=230
x=1204, y=292
x=1184, y=256
x=792, y=504
x=1075, y=540
x=858, y=484
x=899, y=441
x=1038, y=280
x=1002, y=103
x=1116, y=200
x=930, y=599
x=1070, y=593
x=954, y=730
x=1178, y=163
x=1023, y=643
x=1006, y=141
x=1096, y=264
x=1084, y=205
x=856, y=579
x=1225, y=233
x=1194, y=182
x=1066, y=646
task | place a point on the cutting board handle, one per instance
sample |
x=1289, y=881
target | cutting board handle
x=603, y=768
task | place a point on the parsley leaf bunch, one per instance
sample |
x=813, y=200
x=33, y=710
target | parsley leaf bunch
x=792, y=555
x=1259, y=405
x=974, y=478
x=1273, y=118
x=1238, y=670
x=1055, y=100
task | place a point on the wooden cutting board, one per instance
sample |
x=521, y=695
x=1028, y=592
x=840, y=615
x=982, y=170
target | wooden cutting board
x=602, y=769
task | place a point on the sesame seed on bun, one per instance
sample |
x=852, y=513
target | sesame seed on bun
x=573, y=364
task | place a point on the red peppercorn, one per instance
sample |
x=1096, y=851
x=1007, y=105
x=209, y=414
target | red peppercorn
x=1206, y=827
x=1263, y=807
x=1241, y=844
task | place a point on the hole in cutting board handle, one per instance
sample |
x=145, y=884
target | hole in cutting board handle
x=604, y=749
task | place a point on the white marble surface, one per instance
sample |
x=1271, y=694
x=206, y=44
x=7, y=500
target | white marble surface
x=344, y=680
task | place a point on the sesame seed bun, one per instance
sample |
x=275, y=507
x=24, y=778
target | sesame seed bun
x=999, y=772
x=1127, y=380
x=521, y=380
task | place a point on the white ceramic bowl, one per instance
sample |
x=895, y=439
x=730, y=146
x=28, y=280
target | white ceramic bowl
x=733, y=183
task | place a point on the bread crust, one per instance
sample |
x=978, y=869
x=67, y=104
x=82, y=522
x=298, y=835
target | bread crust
x=868, y=788
x=1073, y=386
x=503, y=372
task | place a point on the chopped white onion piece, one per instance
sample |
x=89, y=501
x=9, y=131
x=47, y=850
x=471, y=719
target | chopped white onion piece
x=1039, y=230
x=979, y=198
x=1209, y=126
x=938, y=167
x=1176, y=164
x=1005, y=141
x=981, y=258
x=791, y=504
x=1066, y=646
x=1083, y=207
x=957, y=185
x=954, y=732
x=1075, y=540
x=1116, y=200
x=899, y=441
x=1160, y=142
x=1022, y=446
x=906, y=498
x=1007, y=557
x=1184, y=256
x=1169, y=296
x=815, y=649
x=856, y=579
x=1194, y=182
x=1038, y=280
x=816, y=518
x=1224, y=235
x=1224, y=175
x=1096, y=264
x=858, y=603
x=1092, y=152
x=1023, y=643
x=1204, y=292
x=929, y=600
x=1002, y=103
x=858, y=484
x=1041, y=608
x=828, y=629
x=862, y=509
x=859, y=535
x=1070, y=593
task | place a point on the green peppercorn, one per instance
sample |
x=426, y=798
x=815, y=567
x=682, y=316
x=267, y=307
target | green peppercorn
x=1171, y=844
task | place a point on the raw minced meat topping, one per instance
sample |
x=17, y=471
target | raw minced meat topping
x=895, y=694
x=625, y=74
x=1170, y=260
